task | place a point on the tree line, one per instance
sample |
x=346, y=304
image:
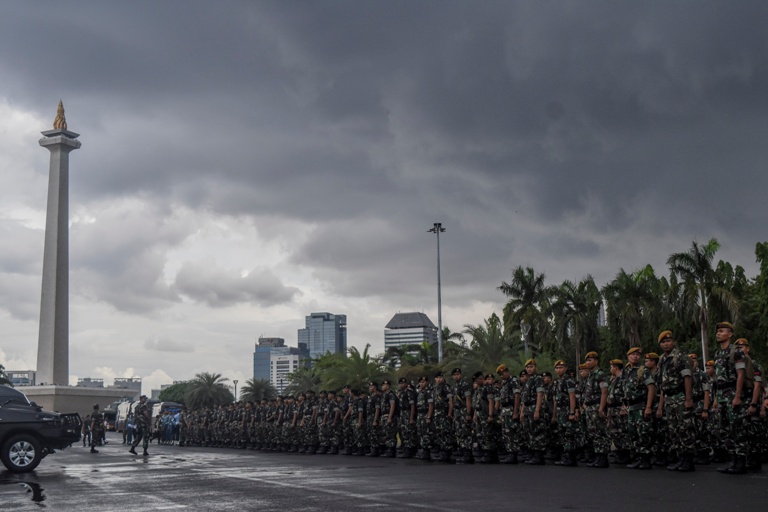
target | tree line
x=551, y=322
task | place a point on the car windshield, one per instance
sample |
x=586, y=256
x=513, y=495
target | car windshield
x=10, y=395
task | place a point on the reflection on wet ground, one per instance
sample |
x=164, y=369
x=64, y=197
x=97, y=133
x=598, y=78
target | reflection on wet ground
x=33, y=489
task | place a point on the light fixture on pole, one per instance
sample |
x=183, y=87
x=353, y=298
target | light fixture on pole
x=525, y=328
x=235, y=382
x=438, y=228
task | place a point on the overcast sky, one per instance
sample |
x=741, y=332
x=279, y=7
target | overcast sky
x=246, y=163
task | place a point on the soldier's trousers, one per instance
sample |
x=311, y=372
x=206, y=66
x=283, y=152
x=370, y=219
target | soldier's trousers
x=510, y=430
x=408, y=437
x=537, y=430
x=443, y=433
x=484, y=433
x=359, y=439
x=681, y=426
x=423, y=428
x=641, y=433
x=374, y=434
x=567, y=432
x=735, y=431
x=597, y=430
x=388, y=432
x=462, y=429
x=324, y=435
x=617, y=429
x=142, y=435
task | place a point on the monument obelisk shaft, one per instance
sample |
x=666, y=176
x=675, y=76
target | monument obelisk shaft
x=53, y=342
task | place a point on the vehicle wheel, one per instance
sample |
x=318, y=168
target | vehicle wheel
x=21, y=453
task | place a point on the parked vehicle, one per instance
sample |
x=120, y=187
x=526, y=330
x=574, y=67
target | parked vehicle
x=28, y=433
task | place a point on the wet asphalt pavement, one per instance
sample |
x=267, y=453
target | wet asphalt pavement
x=208, y=479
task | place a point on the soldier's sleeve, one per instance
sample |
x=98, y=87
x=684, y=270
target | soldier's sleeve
x=540, y=385
x=739, y=361
x=603, y=381
x=686, y=366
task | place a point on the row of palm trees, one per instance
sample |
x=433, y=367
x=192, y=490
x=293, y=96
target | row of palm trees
x=557, y=321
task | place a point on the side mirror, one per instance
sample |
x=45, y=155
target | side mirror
x=33, y=404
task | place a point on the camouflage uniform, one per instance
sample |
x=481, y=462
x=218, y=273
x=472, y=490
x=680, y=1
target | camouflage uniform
x=484, y=427
x=733, y=418
x=442, y=439
x=567, y=426
x=674, y=367
x=373, y=407
x=408, y=439
x=596, y=426
x=388, y=435
x=141, y=424
x=637, y=380
x=617, y=421
x=423, y=402
x=509, y=392
x=462, y=428
x=536, y=428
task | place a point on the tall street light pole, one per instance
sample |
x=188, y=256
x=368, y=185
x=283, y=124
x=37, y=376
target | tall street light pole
x=235, y=381
x=438, y=228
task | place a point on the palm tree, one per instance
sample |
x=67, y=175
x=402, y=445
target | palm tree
x=302, y=380
x=207, y=390
x=629, y=299
x=357, y=369
x=575, y=311
x=255, y=390
x=488, y=347
x=528, y=300
x=700, y=284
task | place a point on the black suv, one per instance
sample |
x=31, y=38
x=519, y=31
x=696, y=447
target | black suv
x=28, y=433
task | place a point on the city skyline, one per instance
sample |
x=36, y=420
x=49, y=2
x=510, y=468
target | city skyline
x=244, y=165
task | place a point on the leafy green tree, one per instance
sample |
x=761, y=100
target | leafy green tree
x=176, y=392
x=528, y=302
x=255, y=390
x=208, y=390
x=4, y=377
x=488, y=347
x=630, y=298
x=702, y=286
x=357, y=369
x=302, y=380
x=575, y=310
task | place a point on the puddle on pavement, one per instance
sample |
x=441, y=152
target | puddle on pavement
x=32, y=488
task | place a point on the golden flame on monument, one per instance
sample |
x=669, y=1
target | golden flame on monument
x=60, y=123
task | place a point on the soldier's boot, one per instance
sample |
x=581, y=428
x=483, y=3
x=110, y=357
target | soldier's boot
x=444, y=456
x=613, y=457
x=600, y=462
x=322, y=451
x=390, y=453
x=567, y=460
x=409, y=453
x=94, y=450
x=334, y=450
x=702, y=457
x=347, y=450
x=145, y=452
x=132, y=450
x=739, y=466
x=687, y=464
x=537, y=459
x=303, y=448
x=635, y=463
x=623, y=457
x=679, y=462
x=374, y=452
x=754, y=462
x=434, y=454
x=661, y=460
x=512, y=459
x=422, y=455
x=312, y=449
x=725, y=469
x=645, y=462
x=485, y=457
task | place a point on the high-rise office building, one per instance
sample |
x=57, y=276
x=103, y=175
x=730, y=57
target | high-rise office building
x=324, y=333
x=280, y=366
x=262, y=354
x=409, y=329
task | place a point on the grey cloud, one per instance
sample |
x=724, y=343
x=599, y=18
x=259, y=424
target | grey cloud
x=206, y=283
x=167, y=345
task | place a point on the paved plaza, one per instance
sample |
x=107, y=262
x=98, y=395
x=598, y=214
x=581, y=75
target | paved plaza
x=174, y=478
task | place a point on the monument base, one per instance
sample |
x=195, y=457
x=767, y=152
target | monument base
x=73, y=398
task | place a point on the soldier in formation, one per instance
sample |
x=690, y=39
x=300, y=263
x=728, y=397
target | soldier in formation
x=651, y=410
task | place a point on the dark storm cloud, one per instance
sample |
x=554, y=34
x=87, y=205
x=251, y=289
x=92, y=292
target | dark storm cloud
x=218, y=288
x=511, y=122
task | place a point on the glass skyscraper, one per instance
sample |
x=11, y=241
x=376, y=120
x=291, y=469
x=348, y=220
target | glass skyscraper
x=324, y=332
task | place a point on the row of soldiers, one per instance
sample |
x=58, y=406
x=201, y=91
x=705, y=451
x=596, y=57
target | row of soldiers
x=666, y=411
